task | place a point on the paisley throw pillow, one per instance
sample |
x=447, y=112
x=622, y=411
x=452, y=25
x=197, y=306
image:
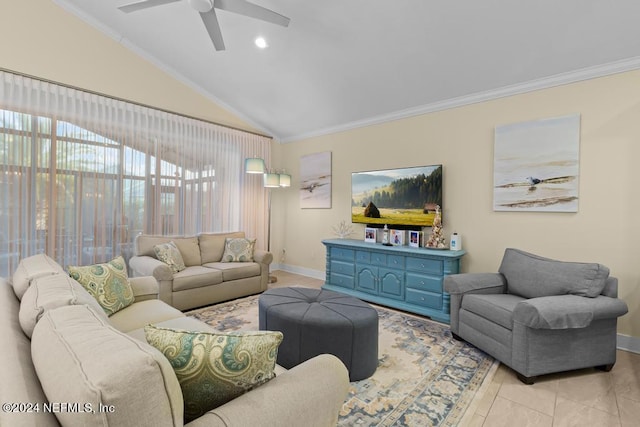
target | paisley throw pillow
x=108, y=283
x=214, y=368
x=238, y=250
x=170, y=255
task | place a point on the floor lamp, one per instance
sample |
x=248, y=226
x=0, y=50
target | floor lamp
x=271, y=180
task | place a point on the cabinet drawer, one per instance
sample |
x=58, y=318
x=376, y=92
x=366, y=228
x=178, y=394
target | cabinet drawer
x=364, y=257
x=424, y=283
x=395, y=261
x=342, y=268
x=424, y=265
x=423, y=298
x=341, y=253
x=378, y=258
x=341, y=280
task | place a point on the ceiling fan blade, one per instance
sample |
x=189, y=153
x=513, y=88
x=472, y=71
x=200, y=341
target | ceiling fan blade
x=251, y=10
x=213, y=28
x=144, y=4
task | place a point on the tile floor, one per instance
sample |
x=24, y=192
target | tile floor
x=582, y=398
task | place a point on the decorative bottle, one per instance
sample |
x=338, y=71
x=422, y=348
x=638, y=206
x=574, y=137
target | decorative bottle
x=385, y=235
x=456, y=242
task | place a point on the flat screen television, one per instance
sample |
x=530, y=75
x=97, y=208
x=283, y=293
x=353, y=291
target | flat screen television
x=397, y=197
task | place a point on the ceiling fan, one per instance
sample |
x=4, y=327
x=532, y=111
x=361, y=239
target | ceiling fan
x=207, y=9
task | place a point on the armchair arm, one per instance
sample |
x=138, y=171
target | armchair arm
x=145, y=265
x=470, y=283
x=310, y=394
x=486, y=283
x=567, y=311
x=144, y=288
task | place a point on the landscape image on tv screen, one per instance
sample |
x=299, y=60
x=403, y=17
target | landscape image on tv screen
x=406, y=196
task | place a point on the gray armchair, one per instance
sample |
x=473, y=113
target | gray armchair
x=538, y=315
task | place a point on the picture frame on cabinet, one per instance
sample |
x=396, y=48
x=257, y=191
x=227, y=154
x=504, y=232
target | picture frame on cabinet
x=370, y=235
x=397, y=237
x=415, y=239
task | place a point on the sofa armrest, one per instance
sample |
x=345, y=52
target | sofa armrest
x=567, y=311
x=310, y=394
x=262, y=257
x=148, y=266
x=144, y=288
x=486, y=283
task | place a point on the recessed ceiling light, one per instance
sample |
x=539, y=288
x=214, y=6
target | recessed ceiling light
x=261, y=42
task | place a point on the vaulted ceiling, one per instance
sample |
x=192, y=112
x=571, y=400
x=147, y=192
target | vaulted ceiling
x=347, y=63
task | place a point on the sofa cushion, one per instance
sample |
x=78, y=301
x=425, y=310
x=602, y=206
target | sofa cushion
x=212, y=245
x=31, y=268
x=170, y=255
x=189, y=247
x=214, y=368
x=235, y=270
x=532, y=276
x=184, y=323
x=498, y=308
x=80, y=359
x=142, y=313
x=108, y=283
x=196, y=277
x=49, y=292
x=238, y=250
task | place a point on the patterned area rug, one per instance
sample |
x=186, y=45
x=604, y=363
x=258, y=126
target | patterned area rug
x=424, y=376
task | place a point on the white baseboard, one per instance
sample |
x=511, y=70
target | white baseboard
x=629, y=343
x=315, y=274
x=624, y=342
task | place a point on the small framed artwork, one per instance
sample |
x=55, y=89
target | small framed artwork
x=415, y=239
x=370, y=235
x=397, y=237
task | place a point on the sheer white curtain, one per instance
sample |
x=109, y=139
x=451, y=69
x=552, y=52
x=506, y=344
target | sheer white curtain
x=81, y=174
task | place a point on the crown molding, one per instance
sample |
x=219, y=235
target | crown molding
x=588, y=73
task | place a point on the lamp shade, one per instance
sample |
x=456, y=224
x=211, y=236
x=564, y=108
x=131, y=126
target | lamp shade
x=271, y=180
x=254, y=165
x=285, y=180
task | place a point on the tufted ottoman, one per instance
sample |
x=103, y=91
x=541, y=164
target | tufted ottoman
x=316, y=321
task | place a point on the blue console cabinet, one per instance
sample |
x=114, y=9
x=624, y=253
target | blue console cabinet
x=401, y=277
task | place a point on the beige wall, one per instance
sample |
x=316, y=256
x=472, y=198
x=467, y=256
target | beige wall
x=42, y=39
x=605, y=229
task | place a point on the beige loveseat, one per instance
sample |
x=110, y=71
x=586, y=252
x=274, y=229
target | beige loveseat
x=81, y=367
x=206, y=280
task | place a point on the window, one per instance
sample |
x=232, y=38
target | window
x=80, y=184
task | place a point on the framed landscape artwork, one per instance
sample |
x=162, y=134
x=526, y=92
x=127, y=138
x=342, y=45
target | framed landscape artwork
x=536, y=165
x=315, y=181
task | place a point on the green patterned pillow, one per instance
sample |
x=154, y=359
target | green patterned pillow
x=238, y=250
x=170, y=255
x=108, y=283
x=214, y=368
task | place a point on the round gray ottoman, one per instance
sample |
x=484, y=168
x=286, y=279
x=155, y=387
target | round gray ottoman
x=315, y=321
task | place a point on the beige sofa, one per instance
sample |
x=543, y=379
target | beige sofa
x=81, y=367
x=206, y=280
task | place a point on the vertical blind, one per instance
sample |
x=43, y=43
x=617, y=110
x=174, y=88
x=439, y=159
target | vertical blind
x=82, y=174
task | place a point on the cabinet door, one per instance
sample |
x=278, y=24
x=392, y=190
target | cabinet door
x=367, y=279
x=391, y=283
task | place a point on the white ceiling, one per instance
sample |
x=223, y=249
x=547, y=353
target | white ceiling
x=347, y=63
